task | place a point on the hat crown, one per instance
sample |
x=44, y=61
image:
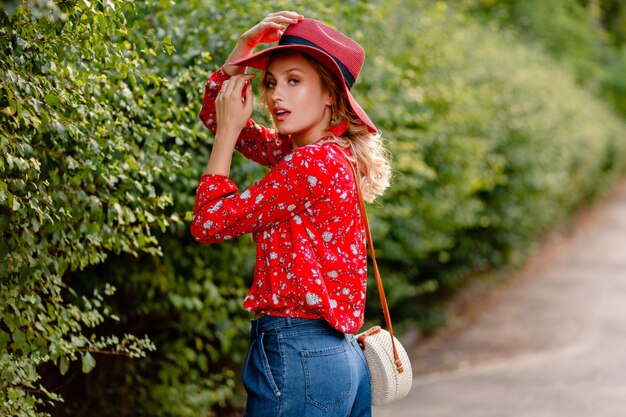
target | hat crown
x=343, y=49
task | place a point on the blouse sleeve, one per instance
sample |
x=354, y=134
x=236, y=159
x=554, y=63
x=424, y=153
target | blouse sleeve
x=298, y=181
x=257, y=143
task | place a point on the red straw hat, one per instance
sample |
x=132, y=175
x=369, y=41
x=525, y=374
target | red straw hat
x=337, y=52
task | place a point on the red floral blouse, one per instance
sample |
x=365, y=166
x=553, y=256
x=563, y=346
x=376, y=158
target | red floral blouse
x=305, y=220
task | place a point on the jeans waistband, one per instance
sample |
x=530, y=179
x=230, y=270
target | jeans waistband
x=271, y=323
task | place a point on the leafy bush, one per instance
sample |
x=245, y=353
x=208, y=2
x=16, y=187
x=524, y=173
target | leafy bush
x=78, y=171
x=101, y=152
x=494, y=145
x=586, y=36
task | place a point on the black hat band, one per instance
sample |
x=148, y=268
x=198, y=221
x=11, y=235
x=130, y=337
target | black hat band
x=296, y=40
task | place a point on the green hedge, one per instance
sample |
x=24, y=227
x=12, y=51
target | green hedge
x=101, y=153
x=78, y=178
x=101, y=149
x=494, y=143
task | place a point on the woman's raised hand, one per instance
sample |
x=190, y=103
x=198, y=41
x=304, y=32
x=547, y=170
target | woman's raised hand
x=233, y=106
x=267, y=30
x=271, y=28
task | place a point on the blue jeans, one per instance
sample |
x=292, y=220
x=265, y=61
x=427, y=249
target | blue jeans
x=304, y=368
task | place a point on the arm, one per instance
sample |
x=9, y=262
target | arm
x=255, y=142
x=299, y=181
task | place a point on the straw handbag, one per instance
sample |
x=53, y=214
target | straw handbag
x=391, y=375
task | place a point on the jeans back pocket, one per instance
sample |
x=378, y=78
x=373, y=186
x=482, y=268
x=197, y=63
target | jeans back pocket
x=328, y=376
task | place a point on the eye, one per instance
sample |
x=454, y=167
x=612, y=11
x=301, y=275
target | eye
x=270, y=83
x=294, y=81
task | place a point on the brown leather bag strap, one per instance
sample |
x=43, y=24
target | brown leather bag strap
x=379, y=282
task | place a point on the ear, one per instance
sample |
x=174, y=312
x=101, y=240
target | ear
x=330, y=100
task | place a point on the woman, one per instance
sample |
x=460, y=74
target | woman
x=308, y=293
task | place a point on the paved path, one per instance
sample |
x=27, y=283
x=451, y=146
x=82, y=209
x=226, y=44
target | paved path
x=550, y=342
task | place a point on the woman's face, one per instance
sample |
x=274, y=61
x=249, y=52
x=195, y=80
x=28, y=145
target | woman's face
x=298, y=104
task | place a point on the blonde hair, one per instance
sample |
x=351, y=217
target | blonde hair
x=368, y=151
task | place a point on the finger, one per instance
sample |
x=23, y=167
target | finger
x=285, y=17
x=249, y=98
x=284, y=20
x=238, y=84
x=222, y=89
x=287, y=13
x=229, y=85
x=272, y=25
x=269, y=27
x=234, y=90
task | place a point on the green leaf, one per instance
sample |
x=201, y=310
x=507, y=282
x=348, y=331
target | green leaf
x=19, y=340
x=167, y=45
x=64, y=364
x=52, y=100
x=88, y=362
x=3, y=193
x=4, y=339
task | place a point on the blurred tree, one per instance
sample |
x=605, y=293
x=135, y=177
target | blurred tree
x=612, y=14
x=588, y=35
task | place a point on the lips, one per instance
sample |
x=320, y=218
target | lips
x=281, y=113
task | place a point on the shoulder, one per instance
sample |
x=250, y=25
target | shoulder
x=319, y=165
x=324, y=159
x=321, y=155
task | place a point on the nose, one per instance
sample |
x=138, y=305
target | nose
x=276, y=94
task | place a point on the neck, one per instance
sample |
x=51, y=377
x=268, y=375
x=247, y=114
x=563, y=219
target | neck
x=299, y=141
x=314, y=134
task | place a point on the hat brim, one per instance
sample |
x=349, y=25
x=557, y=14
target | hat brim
x=261, y=59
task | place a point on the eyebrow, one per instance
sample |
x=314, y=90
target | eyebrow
x=287, y=71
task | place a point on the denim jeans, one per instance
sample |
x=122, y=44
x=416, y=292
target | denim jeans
x=304, y=368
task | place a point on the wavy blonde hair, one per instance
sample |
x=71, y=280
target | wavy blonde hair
x=368, y=151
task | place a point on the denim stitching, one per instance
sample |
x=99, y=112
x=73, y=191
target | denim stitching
x=268, y=370
x=359, y=353
x=283, y=364
x=309, y=332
